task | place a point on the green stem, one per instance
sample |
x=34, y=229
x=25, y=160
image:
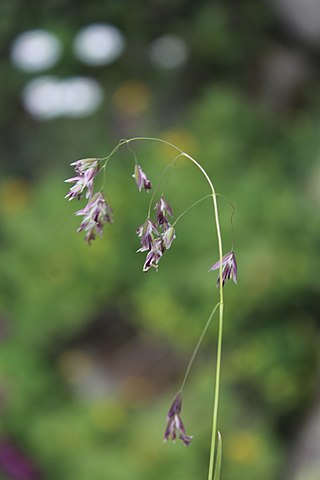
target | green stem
x=159, y=183
x=216, y=393
x=193, y=356
x=220, y=327
x=189, y=208
x=231, y=218
x=104, y=175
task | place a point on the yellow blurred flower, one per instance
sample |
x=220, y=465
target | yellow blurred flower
x=243, y=447
x=181, y=138
x=14, y=195
x=132, y=98
x=108, y=415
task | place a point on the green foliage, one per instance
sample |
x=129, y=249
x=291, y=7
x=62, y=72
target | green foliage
x=53, y=284
x=80, y=391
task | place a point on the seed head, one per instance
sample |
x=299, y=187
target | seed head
x=175, y=425
x=162, y=209
x=96, y=214
x=86, y=170
x=229, y=268
x=141, y=178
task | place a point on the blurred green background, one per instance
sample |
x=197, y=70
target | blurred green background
x=92, y=349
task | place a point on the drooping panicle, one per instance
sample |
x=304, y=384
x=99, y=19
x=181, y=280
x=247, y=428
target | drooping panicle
x=86, y=170
x=175, y=427
x=141, y=178
x=229, y=268
x=96, y=214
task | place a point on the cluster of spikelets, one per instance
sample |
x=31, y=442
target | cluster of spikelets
x=97, y=212
x=155, y=238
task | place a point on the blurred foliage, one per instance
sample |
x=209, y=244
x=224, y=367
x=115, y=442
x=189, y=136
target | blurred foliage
x=60, y=392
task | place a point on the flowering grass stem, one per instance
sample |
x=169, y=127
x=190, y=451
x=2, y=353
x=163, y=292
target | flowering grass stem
x=155, y=238
x=214, y=433
x=220, y=304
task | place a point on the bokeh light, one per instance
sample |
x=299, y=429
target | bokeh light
x=35, y=50
x=99, y=44
x=47, y=97
x=169, y=51
x=42, y=97
x=81, y=96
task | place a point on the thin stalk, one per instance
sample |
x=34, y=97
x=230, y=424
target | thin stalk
x=217, y=468
x=104, y=175
x=159, y=183
x=220, y=326
x=231, y=218
x=195, y=351
x=189, y=208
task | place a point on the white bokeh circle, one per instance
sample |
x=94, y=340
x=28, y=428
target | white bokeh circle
x=99, y=44
x=168, y=52
x=35, y=50
x=48, y=97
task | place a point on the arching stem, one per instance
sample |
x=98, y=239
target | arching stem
x=214, y=431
